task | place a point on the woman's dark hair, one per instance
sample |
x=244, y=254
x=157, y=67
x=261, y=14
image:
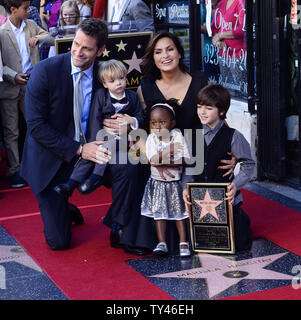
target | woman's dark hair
x=217, y=96
x=95, y=28
x=149, y=69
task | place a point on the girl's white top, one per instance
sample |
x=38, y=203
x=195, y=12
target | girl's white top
x=154, y=146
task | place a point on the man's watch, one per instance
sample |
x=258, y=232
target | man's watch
x=81, y=150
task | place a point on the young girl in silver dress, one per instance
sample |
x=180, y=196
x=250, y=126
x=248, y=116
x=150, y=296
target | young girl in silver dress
x=162, y=199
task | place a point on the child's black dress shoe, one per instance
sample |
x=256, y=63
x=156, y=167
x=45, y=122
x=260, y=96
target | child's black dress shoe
x=91, y=184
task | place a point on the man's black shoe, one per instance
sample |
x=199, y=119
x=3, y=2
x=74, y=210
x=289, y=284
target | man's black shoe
x=63, y=190
x=136, y=250
x=90, y=185
x=17, y=181
x=115, y=238
x=77, y=217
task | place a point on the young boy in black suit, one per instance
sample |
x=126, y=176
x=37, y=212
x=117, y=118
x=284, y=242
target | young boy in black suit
x=213, y=104
x=114, y=102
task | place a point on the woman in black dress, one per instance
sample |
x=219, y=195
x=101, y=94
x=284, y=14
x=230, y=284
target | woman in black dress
x=165, y=77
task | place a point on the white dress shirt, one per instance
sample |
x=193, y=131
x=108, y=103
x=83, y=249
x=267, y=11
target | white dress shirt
x=23, y=46
x=118, y=106
x=118, y=8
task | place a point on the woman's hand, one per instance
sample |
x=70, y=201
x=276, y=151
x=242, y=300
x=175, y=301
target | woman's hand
x=229, y=165
x=230, y=194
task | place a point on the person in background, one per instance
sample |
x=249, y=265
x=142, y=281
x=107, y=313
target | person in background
x=35, y=16
x=49, y=13
x=99, y=9
x=1, y=79
x=209, y=52
x=69, y=16
x=228, y=30
x=85, y=8
x=133, y=10
x=3, y=18
x=3, y=13
x=26, y=35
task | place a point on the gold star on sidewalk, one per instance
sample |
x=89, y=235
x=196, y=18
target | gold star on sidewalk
x=121, y=45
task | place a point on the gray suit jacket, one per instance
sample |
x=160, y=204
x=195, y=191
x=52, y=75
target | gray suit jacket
x=11, y=57
x=137, y=10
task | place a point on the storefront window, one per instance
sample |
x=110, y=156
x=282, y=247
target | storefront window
x=223, y=38
x=223, y=26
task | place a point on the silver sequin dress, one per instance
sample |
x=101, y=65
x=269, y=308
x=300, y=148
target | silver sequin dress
x=163, y=199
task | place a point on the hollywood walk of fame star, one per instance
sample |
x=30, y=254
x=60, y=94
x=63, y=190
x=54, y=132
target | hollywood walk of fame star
x=134, y=63
x=17, y=254
x=208, y=205
x=105, y=53
x=221, y=273
x=121, y=45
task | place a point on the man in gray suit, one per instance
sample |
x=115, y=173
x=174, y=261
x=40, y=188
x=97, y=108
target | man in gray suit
x=137, y=11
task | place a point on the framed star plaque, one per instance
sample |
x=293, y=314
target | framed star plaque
x=211, y=218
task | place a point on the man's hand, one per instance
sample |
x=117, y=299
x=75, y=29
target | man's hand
x=103, y=155
x=93, y=151
x=229, y=165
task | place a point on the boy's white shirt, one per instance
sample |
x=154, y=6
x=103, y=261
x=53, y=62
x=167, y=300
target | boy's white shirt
x=23, y=47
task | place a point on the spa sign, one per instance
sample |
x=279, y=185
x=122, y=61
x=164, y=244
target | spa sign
x=176, y=12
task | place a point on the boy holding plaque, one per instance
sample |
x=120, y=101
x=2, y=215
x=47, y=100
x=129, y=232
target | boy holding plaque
x=213, y=104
